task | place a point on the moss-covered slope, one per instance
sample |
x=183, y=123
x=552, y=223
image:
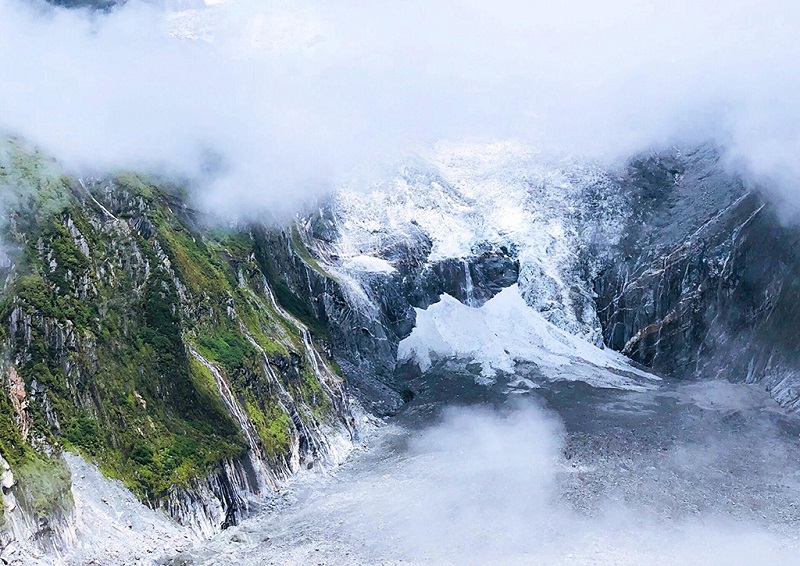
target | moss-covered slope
x=146, y=342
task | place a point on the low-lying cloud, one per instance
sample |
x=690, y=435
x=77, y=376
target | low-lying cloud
x=514, y=486
x=489, y=488
x=266, y=104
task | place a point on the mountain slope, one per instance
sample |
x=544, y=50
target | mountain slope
x=153, y=346
x=704, y=282
x=672, y=260
x=202, y=366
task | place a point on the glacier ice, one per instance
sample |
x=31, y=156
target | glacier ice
x=504, y=332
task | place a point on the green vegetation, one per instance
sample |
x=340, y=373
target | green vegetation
x=33, y=185
x=102, y=318
x=12, y=447
x=83, y=432
x=297, y=306
x=300, y=249
x=136, y=185
x=229, y=349
x=197, y=268
x=45, y=480
x=32, y=290
x=45, y=485
x=273, y=426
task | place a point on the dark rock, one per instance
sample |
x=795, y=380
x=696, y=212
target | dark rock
x=705, y=283
x=93, y=4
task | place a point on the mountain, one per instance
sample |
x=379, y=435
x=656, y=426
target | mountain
x=704, y=282
x=198, y=367
x=673, y=259
x=155, y=347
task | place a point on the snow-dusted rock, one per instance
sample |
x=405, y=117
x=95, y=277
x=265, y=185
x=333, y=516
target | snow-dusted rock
x=462, y=200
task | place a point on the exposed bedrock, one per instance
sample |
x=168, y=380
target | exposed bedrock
x=706, y=281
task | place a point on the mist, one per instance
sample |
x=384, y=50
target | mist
x=263, y=106
x=522, y=485
x=488, y=487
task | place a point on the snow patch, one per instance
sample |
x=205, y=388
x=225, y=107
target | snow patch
x=369, y=264
x=504, y=332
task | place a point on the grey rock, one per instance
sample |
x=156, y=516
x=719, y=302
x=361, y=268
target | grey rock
x=705, y=283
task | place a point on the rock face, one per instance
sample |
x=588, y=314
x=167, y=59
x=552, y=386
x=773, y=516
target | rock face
x=705, y=282
x=368, y=309
x=673, y=260
x=466, y=221
x=140, y=339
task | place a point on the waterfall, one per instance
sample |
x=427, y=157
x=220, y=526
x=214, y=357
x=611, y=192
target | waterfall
x=320, y=369
x=469, y=288
x=330, y=383
x=246, y=426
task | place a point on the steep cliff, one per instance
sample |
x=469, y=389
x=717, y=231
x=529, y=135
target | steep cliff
x=167, y=352
x=704, y=282
x=673, y=260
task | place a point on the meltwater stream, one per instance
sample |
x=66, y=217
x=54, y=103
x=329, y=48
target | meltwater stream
x=705, y=472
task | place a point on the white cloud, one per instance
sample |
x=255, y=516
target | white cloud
x=292, y=95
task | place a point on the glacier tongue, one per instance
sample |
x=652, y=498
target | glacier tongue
x=506, y=332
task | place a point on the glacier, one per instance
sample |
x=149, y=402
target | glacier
x=505, y=333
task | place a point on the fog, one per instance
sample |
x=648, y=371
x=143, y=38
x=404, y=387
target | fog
x=265, y=105
x=517, y=485
x=486, y=487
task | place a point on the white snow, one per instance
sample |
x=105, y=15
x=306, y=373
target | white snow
x=506, y=331
x=369, y=264
x=468, y=197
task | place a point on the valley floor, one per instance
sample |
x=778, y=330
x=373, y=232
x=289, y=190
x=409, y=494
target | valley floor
x=689, y=473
